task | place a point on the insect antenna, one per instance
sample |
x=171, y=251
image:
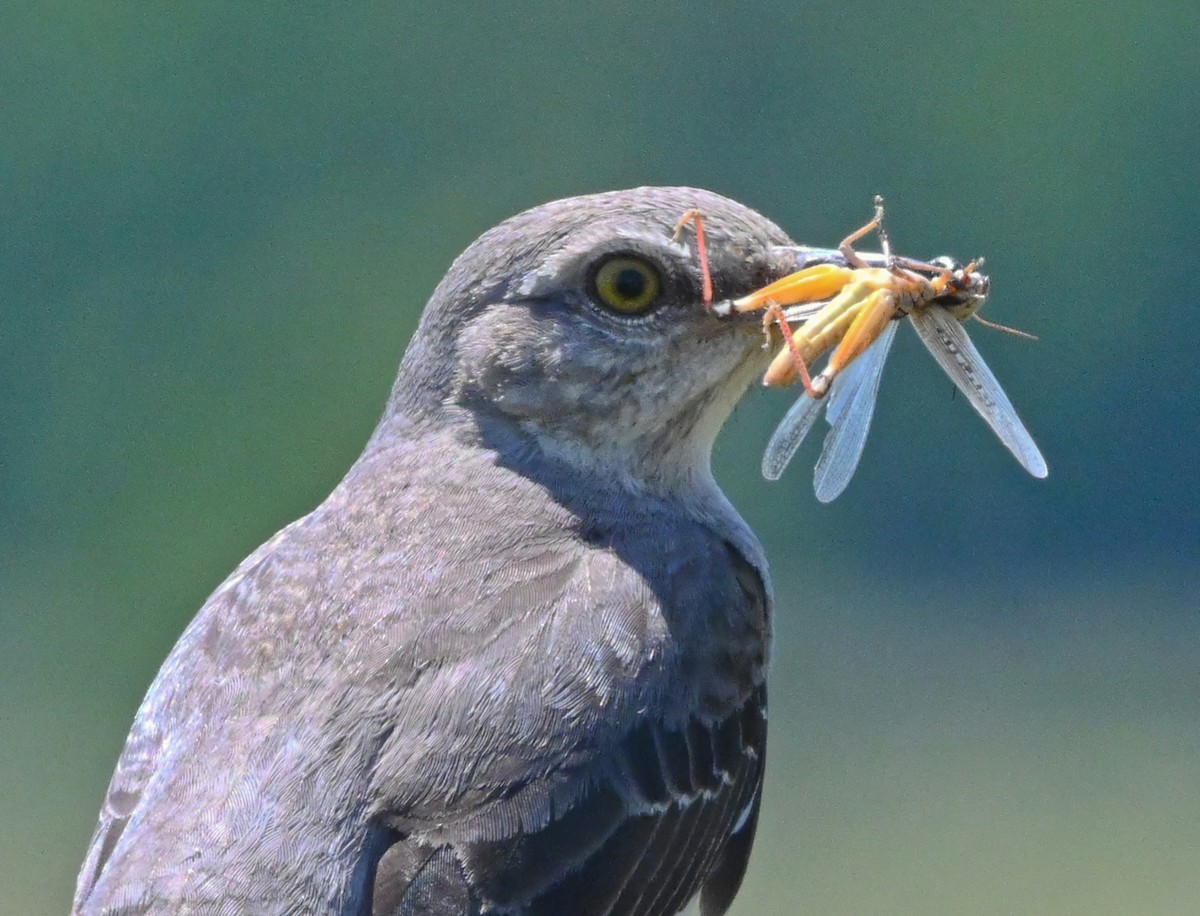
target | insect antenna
x=996, y=326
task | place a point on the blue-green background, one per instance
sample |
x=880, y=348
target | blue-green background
x=218, y=224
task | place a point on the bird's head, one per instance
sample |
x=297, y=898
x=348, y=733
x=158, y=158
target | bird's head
x=579, y=327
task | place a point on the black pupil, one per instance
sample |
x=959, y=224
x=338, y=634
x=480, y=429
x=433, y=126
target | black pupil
x=630, y=283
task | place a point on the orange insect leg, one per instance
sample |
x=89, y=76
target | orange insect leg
x=789, y=361
x=696, y=217
x=868, y=324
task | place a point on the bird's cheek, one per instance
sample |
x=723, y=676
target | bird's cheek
x=513, y=364
x=499, y=345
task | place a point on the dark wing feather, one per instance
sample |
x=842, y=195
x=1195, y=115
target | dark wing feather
x=676, y=819
x=726, y=877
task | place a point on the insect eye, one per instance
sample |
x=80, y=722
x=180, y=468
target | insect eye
x=627, y=284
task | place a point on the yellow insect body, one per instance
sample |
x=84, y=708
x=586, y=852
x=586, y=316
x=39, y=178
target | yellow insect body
x=850, y=322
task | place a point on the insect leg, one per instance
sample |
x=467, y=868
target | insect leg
x=695, y=216
x=873, y=316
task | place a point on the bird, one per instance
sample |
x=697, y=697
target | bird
x=516, y=662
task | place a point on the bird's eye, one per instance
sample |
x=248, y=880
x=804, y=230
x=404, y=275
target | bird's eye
x=627, y=284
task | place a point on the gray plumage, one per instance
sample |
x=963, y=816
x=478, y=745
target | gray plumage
x=515, y=662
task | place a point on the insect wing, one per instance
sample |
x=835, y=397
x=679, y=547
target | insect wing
x=851, y=406
x=799, y=420
x=946, y=339
x=789, y=434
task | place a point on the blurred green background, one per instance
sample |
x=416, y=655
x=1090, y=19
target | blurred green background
x=220, y=222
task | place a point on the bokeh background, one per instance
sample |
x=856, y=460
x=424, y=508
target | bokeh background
x=220, y=222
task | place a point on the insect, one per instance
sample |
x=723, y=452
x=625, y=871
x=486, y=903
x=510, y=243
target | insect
x=854, y=310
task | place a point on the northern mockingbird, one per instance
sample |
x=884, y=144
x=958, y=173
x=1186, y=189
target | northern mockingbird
x=515, y=663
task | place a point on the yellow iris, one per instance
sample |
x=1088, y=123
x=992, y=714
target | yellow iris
x=627, y=284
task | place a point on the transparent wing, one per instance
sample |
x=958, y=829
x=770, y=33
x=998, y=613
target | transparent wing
x=851, y=406
x=946, y=339
x=789, y=434
x=797, y=422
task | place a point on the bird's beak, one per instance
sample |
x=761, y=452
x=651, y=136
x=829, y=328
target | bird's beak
x=794, y=258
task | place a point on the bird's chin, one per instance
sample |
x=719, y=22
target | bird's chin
x=653, y=433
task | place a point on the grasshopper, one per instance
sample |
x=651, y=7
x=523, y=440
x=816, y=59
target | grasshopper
x=854, y=309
